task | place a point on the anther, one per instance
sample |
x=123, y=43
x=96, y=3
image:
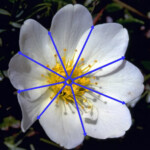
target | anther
x=65, y=49
x=42, y=75
x=89, y=107
x=96, y=83
x=84, y=100
x=82, y=59
x=94, y=77
x=95, y=61
x=47, y=66
x=89, y=66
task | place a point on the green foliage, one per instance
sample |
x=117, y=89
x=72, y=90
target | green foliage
x=9, y=122
x=4, y=12
x=15, y=24
x=130, y=20
x=146, y=65
x=12, y=1
x=113, y=7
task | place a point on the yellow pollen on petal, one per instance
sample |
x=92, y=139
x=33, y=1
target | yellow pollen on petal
x=66, y=94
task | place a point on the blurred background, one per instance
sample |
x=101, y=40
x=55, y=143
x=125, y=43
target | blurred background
x=133, y=15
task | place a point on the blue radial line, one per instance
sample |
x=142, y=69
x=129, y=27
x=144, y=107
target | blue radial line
x=92, y=27
x=38, y=117
x=99, y=68
x=100, y=93
x=37, y=87
x=20, y=53
x=78, y=111
x=49, y=33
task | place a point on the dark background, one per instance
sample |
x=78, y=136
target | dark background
x=134, y=15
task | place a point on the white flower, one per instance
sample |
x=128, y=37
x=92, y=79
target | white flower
x=102, y=117
x=133, y=102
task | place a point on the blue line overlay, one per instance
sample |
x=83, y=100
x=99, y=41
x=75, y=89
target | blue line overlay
x=49, y=33
x=99, y=68
x=20, y=53
x=78, y=111
x=19, y=91
x=92, y=27
x=122, y=102
x=38, y=117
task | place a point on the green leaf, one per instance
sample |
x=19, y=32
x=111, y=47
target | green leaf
x=15, y=24
x=49, y=142
x=32, y=147
x=9, y=122
x=130, y=20
x=4, y=12
x=12, y=1
x=13, y=146
x=2, y=30
x=146, y=65
x=1, y=42
x=113, y=7
x=1, y=76
x=10, y=146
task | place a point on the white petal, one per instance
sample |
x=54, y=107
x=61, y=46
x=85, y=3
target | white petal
x=34, y=38
x=106, y=43
x=25, y=74
x=68, y=25
x=134, y=102
x=114, y=120
x=62, y=125
x=30, y=110
x=125, y=84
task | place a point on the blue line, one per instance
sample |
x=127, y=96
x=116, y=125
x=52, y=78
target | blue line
x=20, y=53
x=38, y=117
x=19, y=91
x=99, y=93
x=49, y=33
x=92, y=27
x=99, y=68
x=78, y=111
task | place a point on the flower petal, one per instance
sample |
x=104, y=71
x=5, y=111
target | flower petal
x=114, y=120
x=126, y=83
x=62, y=125
x=30, y=110
x=106, y=43
x=68, y=25
x=25, y=74
x=133, y=102
x=34, y=39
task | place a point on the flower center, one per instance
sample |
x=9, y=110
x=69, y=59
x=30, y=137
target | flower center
x=69, y=81
x=66, y=93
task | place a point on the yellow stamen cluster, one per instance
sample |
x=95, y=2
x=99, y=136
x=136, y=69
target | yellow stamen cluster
x=66, y=94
